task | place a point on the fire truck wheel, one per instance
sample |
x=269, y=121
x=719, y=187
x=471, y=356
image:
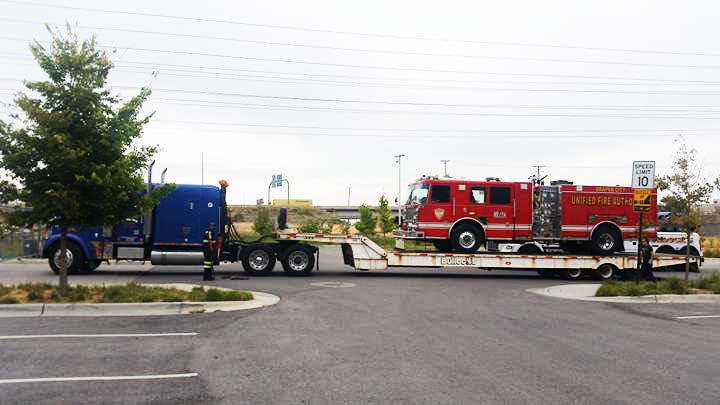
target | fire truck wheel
x=605, y=241
x=604, y=272
x=443, y=245
x=74, y=258
x=693, y=251
x=298, y=260
x=258, y=259
x=466, y=238
x=666, y=249
x=572, y=274
x=529, y=248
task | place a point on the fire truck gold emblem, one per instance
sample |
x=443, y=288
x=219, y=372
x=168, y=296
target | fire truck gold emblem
x=439, y=212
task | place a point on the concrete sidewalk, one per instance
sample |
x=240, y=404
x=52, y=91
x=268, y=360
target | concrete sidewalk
x=586, y=292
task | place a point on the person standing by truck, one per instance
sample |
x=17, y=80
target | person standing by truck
x=209, y=253
x=646, y=254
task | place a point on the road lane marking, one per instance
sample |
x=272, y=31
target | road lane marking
x=98, y=378
x=697, y=317
x=9, y=337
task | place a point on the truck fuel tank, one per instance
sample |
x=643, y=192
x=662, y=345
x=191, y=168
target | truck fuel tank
x=176, y=258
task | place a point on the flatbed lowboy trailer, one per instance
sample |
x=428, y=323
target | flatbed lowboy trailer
x=363, y=254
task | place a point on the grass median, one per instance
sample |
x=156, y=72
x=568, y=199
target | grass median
x=673, y=285
x=45, y=293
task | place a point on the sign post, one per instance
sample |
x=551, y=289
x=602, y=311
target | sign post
x=643, y=181
x=277, y=181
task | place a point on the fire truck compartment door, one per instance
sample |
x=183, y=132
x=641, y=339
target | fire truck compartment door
x=501, y=216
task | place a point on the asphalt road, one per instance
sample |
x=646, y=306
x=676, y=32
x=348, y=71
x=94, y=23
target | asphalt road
x=402, y=337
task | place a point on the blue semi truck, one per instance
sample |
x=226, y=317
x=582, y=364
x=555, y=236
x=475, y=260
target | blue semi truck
x=172, y=234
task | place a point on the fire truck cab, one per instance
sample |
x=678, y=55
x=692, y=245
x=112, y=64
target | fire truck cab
x=462, y=215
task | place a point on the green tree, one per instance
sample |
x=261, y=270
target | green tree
x=72, y=154
x=687, y=187
x=366, y=224
x=385, y=216
x=263, y=224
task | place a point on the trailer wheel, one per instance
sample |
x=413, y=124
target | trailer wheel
x=74, y=258
x=258, y=259
x=547, y=273
x=466, y=238
x=298, y=260
x=605, y=241
x=604, y=272
x=572, y=274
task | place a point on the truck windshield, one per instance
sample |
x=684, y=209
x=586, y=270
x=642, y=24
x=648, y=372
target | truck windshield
x=417, y=194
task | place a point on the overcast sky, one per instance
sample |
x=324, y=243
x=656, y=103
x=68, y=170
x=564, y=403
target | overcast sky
x=325, y=93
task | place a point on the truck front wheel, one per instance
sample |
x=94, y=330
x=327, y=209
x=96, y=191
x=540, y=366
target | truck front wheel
x=258, y=259
x=74, y=258
x=466, y=238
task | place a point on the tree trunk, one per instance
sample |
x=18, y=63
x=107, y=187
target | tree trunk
x=687, y=258
x=63, y=286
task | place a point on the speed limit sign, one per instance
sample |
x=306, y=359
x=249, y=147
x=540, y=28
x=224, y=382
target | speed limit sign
x=643, y=174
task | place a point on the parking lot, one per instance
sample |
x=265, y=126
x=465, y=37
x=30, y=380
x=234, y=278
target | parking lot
x=346, y=336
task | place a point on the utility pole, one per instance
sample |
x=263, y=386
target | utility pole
x=538, y=167
x=399, y=198
x=349, y=188
x=445, y=162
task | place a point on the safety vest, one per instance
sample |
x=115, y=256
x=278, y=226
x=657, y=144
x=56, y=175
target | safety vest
x=208, y=237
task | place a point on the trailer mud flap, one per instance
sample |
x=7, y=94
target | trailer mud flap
x=347, y=253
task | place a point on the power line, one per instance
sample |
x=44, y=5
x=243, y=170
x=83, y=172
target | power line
x=362, y=34
x=292, y=61
x=323, y=47
x=155, y=65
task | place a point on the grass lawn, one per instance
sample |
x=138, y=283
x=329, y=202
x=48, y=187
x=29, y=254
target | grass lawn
x=131, y=292
x=705, y=285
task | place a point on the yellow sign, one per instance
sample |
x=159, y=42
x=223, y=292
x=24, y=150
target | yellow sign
x=642, y=198
x=293, y=202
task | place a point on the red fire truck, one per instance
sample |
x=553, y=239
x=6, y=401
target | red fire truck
x=462, y=215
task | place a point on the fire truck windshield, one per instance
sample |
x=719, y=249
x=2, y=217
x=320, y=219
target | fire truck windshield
x=417, y=194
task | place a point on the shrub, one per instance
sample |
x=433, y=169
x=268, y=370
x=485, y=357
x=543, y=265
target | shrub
x=311, y=225
x=9, y=300
x=263, y=224
x=4, y=289
x=366, y=224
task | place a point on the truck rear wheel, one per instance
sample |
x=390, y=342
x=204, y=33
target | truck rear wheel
x=258, y=259
x=605, y=241
x=74, y=258
x=298, y=260
x=466, y=238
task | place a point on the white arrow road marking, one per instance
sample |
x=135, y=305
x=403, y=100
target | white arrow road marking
x=98, y=378
x=697, y=317
x=97, y=335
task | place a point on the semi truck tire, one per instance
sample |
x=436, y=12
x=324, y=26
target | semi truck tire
x=298, y=260
x=258, y=259
x=605, y=241
x=75, y=258
x=466, y=238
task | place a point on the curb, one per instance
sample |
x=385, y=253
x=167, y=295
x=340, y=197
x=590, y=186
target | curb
x=260, y=300
x=586, y=292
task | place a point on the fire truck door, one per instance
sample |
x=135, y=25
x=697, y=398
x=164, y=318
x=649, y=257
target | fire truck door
x=501, y=215
x=441, y=203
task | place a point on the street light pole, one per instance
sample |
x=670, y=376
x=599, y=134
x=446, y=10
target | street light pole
x=399, y=200
x=349, y=188
x=445, y=162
